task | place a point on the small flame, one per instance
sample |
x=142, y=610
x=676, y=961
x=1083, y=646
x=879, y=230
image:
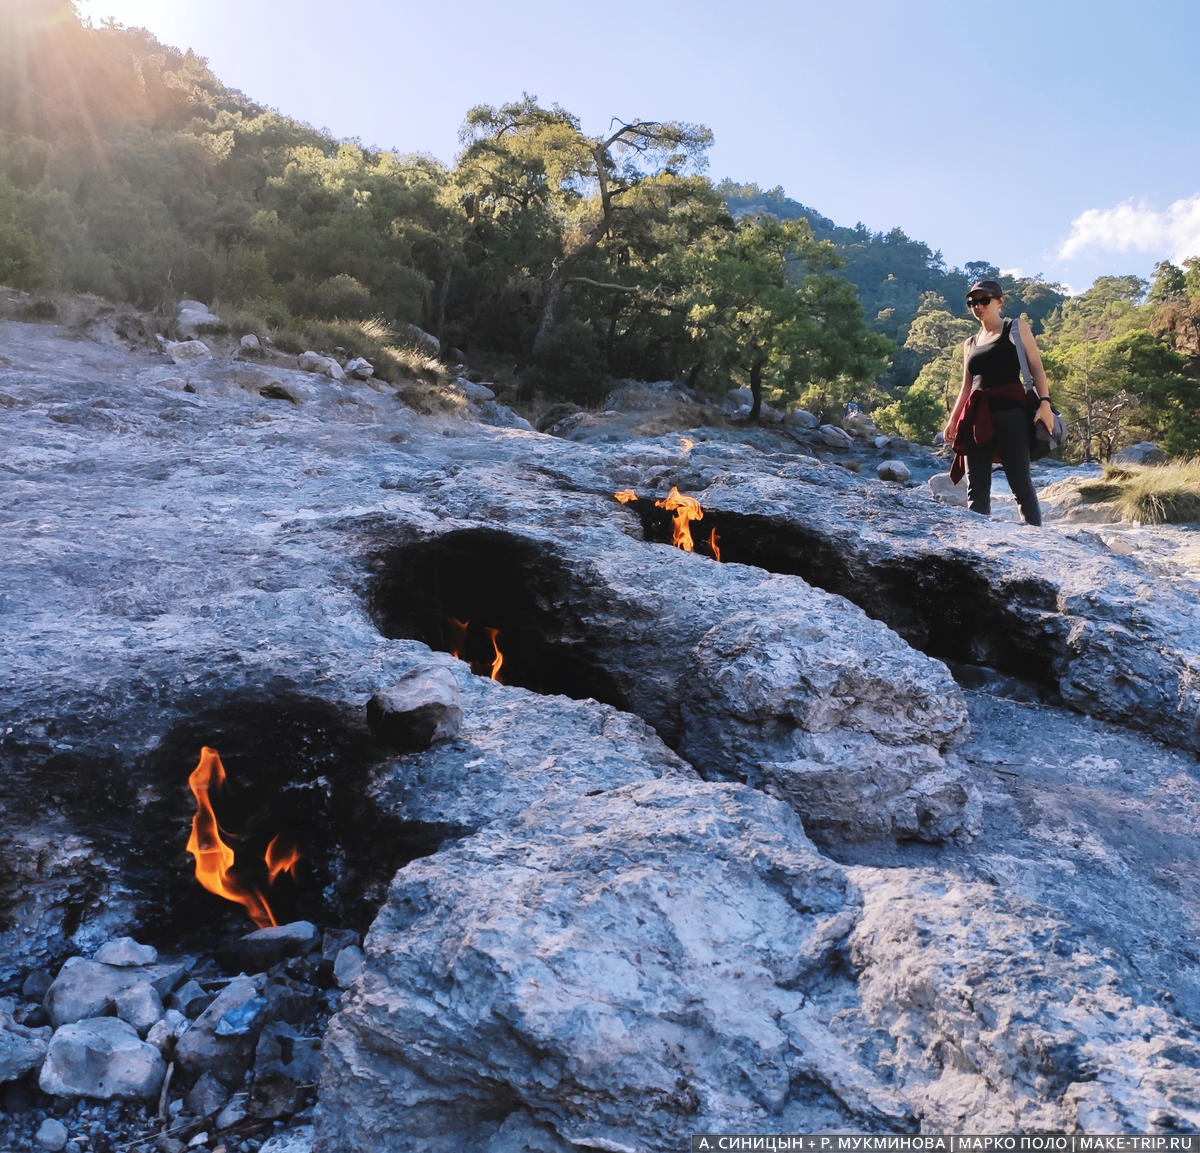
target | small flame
x=282, y=856
x=458, y=637
x=688, y=443
x=625, y=495
x=214, y=858
x=713, y=545
x=686, y=509
x=493, y=636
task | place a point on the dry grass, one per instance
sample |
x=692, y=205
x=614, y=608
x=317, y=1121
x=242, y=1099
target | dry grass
x=1150, y=494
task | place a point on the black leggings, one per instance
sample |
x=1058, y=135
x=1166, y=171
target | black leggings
x=1011, y=428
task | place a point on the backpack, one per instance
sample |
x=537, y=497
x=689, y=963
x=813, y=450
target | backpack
x=1041, y=442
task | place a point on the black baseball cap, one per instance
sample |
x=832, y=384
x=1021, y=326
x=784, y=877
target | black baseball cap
x=988, y=286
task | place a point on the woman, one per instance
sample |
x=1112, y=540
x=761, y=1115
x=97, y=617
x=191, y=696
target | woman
x=990, y=420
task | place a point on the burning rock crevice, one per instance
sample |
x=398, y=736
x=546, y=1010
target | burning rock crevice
x=487, y=596
x=940, y=604
x=748, y=676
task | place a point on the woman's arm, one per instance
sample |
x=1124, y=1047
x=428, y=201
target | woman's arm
x=963, y=393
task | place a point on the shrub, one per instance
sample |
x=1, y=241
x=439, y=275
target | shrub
x=1151, y=494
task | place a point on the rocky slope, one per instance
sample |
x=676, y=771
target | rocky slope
x=726, y=846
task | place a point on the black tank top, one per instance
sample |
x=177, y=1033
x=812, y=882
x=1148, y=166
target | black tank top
x=995, y=363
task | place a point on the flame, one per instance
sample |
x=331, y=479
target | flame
x=281, y=857
x=214, y=858
x=713, y=545
x=458, y=637
x=686, y=509
x=493, y=635
x=625, y=495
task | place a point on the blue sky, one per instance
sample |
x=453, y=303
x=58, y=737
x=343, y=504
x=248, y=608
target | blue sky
x=1063, y=141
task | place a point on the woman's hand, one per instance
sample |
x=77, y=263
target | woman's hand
x=1045, y=414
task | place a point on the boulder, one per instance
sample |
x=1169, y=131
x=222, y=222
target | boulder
x=799, y=418
x=322, y=365
x=894, y=470
x=1144, y=452
x=184, y=351
x=21, y=1048
x=102, y=1057
x=221, y=1040
x=194, y=316
x=90, y=989
x=125, y=952
x=836, y=437
x=942, y=488
x=473, y=391
x=360, y=368
x=414, y=713
x=578, y=957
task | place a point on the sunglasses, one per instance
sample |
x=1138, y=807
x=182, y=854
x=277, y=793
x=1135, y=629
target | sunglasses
x=974, y=300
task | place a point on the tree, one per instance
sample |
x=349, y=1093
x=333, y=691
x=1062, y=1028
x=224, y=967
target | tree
x=526, y=165
x=753, y=322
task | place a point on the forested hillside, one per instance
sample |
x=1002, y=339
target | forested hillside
x=558, y=259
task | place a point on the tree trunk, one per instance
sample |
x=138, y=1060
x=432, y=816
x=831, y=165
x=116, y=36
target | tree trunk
x=755, y=390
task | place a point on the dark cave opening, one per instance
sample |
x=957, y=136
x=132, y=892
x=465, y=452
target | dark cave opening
x=939, y=604
x=296, y=767
x=459, y=592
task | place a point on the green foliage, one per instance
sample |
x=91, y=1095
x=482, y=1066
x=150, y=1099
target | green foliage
x=919, y=415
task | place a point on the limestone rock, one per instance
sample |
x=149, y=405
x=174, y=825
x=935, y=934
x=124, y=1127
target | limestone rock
x=1145, y=452
x=348, y=966
x=323, y=365
x=474, y=391
x=414, y=713
x=944, y=489
x=250, y=344
x=52, y=1135
x=194, y=316
x=140, y=1005
x=90, y=989
x=895, y=470
x=836, y=437
x=360, y=368
x=102, y=1057
x=184, y=351
x=801, y=419
x=577, y=957
x=125, y=952
x=222, y=1039
x=21, y=1048
x=266, y=947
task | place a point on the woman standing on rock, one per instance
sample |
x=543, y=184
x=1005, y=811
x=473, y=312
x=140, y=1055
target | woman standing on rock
x=990, y=420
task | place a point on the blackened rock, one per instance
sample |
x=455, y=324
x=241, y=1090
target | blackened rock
x=414, y=713
x=225, y=1054
x=263, y=948
x=207, y=1097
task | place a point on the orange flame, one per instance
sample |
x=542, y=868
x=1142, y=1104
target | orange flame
x=281, y=857
x=214, y=858
x=686, y=509
x=458, y=637
x=493, y=635
x=625, y=495
x=713, y=547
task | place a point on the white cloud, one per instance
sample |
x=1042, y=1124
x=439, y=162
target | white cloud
x=1173, y=233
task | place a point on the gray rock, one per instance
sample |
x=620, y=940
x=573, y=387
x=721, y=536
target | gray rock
x=425, y=340
x=552, y=961
x=473, y=391
x=322, y=365
x=210, y=1047
x=90, y=989
x=360, y=368
x=348, y=966
x=140, y=1005
x=51, y=1135
x=193, y=316
x=836, y=437
x=250, y=343
x=164, y=1033
x=895, y=470
x=800, y=418
x=414, y=713
x=1145, y=452
x=104, y=1058
x=125, y=952
x=206, y=1097
x=185, y=351
x=265, y=947
x=190, y=998
x=297, y=1140
x=21, y=1048
x=942, y=488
